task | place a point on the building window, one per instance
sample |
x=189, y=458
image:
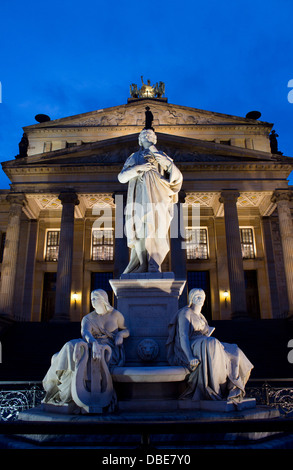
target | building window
x=2, y=245
x=247, y=243
x=196, y=243
x=52, y=245
x=102, y=244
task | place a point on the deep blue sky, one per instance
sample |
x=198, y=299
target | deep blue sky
x=68, y=57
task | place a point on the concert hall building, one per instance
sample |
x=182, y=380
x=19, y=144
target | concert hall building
x=54, y=250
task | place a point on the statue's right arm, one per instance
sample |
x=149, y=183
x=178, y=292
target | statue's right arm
x=86, y=331
x=133, y=172
x=127, y=174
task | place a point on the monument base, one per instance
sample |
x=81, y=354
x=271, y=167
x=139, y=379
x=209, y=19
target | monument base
x=116, y=437
x=148, y=301
x=165, y=405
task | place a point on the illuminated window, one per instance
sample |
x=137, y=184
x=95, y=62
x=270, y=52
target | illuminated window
x=247, y=243
x=52, y=245
x=102, y=244
x=196, y=243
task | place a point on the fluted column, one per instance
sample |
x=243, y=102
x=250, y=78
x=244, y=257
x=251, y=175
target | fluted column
x=282, y=199
x=177, y=246
x=10, y=256
x=64, y=270
x=234, y=253
x=121, y=255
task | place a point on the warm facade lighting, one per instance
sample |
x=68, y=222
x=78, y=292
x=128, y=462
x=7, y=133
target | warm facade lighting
x=226, y=296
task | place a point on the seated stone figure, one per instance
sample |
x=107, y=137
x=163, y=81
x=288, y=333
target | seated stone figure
x=80, y=374
x=218, y=371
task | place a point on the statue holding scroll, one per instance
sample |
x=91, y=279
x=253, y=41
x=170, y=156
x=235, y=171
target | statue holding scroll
x=153, y=185
x=217, y=370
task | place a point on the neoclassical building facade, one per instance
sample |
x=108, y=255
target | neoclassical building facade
x=61, y=221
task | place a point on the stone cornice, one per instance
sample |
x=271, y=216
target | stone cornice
x=250, y=128
x=185, y=166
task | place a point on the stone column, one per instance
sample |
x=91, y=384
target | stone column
x=121, y=254
x=177, y=246
x=282, y=199
x=30, y=270
x=271, y=267
x=234, y=254
x=64, y=270
x=10, y=256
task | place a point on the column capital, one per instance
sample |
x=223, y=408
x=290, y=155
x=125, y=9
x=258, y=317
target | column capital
x=68, y=197
x=17, y=201
x=229, y=195
x=16, y=198
x=282, y=195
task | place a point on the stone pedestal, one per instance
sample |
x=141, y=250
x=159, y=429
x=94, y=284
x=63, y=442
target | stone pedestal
x=147, y=301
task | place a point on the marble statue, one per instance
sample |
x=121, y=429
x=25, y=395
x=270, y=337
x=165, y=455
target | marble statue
x=153, y=185
x=218, y=371
x=80, y=374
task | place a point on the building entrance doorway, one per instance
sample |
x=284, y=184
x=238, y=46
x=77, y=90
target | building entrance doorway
x=252, y=299
x=49, y=296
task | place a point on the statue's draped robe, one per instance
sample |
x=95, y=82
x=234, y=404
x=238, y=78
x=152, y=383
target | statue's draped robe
x=150, y=201
x=222, y=367
x=57, y=382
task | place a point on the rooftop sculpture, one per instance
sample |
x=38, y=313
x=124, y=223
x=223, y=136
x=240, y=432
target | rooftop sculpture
x=147, y=90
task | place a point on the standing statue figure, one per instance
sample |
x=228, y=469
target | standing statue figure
x=153, y=185
x=274, y=143
x=218, y=370
x=80, y=374
x=23, y=146
x=148, y=118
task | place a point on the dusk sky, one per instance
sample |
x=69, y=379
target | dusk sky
x=63, y=58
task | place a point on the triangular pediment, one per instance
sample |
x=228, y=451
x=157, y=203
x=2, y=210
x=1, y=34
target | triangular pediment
x=133, y=114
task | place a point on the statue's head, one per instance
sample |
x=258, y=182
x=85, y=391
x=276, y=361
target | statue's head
x=197, y=297
x=100, y=301
x=147, y=136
